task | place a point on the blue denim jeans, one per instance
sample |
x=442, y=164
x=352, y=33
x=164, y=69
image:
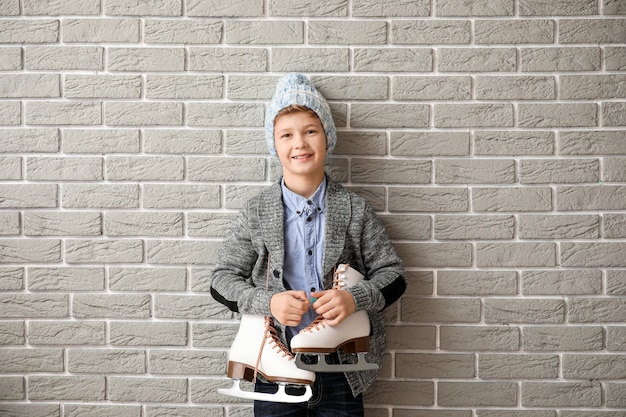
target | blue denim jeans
x=332, y=397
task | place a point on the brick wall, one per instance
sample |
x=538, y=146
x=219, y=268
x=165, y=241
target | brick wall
x=490, y=135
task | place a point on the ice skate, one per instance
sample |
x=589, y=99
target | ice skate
x=351, y=335
x=258, y=350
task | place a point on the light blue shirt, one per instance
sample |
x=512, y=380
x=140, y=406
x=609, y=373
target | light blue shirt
x=304, y=244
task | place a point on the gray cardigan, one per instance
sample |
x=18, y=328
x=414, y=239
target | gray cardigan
x=353, y=234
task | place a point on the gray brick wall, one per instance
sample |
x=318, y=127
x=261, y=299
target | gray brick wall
x=490, y=136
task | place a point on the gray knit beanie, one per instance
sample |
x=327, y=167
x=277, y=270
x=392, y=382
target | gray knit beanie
x=297, y=89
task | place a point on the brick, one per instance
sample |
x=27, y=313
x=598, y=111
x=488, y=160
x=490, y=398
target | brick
x=596, y=310
x=143, y=114
x=257, y=86
x=10, y=8
x=431, y=255
x=559, y=171
x=371, y=32
x=558, y=7
x=102, y=86
x=514, y=32
x=432, y=88
x=524, y=311
x=29, y=31
x=592, y=31
x=568, y=282
x=476, y=60
x=593, y=86
x=10, y=58
x=388, y=171
x=559, y=227
x=558, y=59
x=558, y=115
x=381, y=8
x=394, y=392
x=30, y=86
x=361, y=143
x=100, y=30
x=10, y=168
x=429, y=32
x=145, y=59
x=182, y=141
x=63, y=58
x=430, y=143
x=34, y=305
x=425, y=365
x=411, y=337
x=389, y=115
x=592, y=142
x=613, y=7
x=183, y=87
x=613, y=114
x=9, y=222
x=181, y=196
x=147, y=389
x=65, y=279
x=10, y=113
x=475, y=8
x=526, y=254
x=141, y=333
x=614, y=170
x=188, y=362
x=59, y=7
x=396, y=60
x=63, y=113
x=473, y=115
x=561, y=394
x=225, y=115
x=174, y=252
x=407, y=226
x=28, y=195
x=309, y=8
x=49, y=387
x=476, y=283
x=100, y=141
x=217, y=8
x=616, y=338
x=146, y=8
x=616, y=282
x=563, y=339
x=515, y=88
x=517, y=366
x=590, y=197
x=477, y=394
x=12, y=332
x=603, y=254
x=189, y=307
x=615, y=58
x=147, y=279
x=30, y=250
x=64, y=168
x=12, y=388
x=225, y=169
x=143, y=224
x=615, y=395
x=213, y=335
x=182, y=31
x=228, y=59
x=512, y=199
x=209, y=224
x=264, y=32
x=100, y=196
x=77, y=410
x=310, y=59
x=12, y=278
x=423, y=199
x=463, y=227
x=440, y=310
x=352, y=88
x=103, y=251
x=66, y=333
x=118, y=361
x=477, y=171
x=499, y=142
x=614, y=226
x=479, y=338
x=31, y=360
x=146, y=168
x=126, y=306
x=31, y=410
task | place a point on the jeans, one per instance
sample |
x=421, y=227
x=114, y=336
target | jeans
x=332, y=397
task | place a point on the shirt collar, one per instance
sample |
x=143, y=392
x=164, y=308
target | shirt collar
x=298, y=204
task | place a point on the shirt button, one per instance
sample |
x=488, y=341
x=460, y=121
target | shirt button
x=309, y=202
x=312, y=289
x=310, y=252
x=308, y=219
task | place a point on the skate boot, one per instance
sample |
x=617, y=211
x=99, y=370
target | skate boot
x=258, y=350
x=352, y=335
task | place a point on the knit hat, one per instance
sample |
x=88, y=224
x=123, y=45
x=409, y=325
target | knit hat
x=297, y=89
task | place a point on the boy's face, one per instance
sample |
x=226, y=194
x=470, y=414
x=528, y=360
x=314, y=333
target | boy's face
x=300, y=144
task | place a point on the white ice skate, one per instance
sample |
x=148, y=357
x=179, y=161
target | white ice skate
x=257, y=349
x=352, y=335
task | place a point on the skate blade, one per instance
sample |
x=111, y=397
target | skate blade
x=280, y=396
x=322, y=366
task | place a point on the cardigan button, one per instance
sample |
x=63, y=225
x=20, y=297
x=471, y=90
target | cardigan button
x=276, y=273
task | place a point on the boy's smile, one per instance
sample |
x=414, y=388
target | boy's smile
x=300, y=144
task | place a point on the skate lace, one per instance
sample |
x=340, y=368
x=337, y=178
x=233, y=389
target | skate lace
x=320, y=321
x=274, y=341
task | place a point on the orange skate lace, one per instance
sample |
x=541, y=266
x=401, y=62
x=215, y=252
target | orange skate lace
x=274, y=340
x=319, y=321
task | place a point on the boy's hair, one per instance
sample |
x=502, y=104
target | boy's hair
x=295, y=108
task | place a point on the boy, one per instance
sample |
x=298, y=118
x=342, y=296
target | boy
x=284, y=245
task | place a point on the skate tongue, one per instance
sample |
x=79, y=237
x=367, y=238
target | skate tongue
x=280, y=396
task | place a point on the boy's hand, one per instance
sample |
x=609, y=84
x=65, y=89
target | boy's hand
x=288, y=307
x=335, y=306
